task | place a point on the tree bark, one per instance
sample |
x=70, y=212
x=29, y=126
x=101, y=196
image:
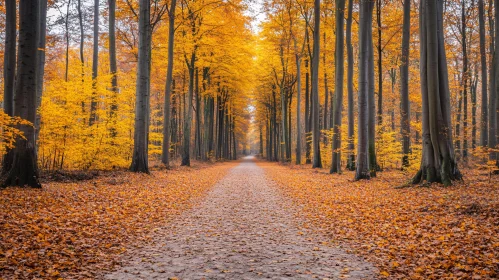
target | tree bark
x=379, y=49
x=186, y=160
x=338, y=96
x=362, y=168
x=9, y=70
x=23, y=171
x=438, y=162
x=141, y=133
x=405, y=113
x=483, y=61
x=465, y=81
x=165, y=152
x=492, y=80
x=40, y=63
x=351, y=118
x=370, y=96
x=95, y=66
x=112, y=66
x=316, y=163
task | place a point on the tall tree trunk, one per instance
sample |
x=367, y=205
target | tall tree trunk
x=66, y=26
x=492, y=81
x=23, y=171
x=326, y=90
x=316, y=163
x=473, y=90
x=405, y=110
x=165, y=153
x=362, y=168
x=351, y=118
x=438, y=162
x=496, y=73
x=308, y=115
x=370, y=97
x=298, y=108
x=112, y=66
x=483, y=61
x=186, y=146
x=9, y=70
x=465, y=81
x=379, y=48
x=338, y=96
x=141, y=134
x=40, y=63
x=95, y=66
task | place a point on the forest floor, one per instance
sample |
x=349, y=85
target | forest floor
x=430, y=232
x=244, y=229
x=81, y=223
x=243, y=220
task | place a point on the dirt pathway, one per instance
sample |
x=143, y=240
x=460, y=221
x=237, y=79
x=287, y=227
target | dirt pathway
x=243, y=229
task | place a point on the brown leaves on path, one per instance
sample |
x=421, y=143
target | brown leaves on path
x=415, y=233
x=73, y=230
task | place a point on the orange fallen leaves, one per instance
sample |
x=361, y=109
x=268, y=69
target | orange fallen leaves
x=415, y=233
x=73, y=230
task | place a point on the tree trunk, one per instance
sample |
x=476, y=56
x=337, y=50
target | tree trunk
x=465, y=81
x=298, y=109
x=40, y=63
x=370, y=97
x=95, y=66
x=492, y=96
x=351, y=118
x=405, y=110
x=338, y=96
x=438, y=162
x=308, y=115
x=186, y=160
x=140, y=147
x=483, y=61
x=66, y=27
x=316, y=163
x=496, y=73
x=362, y=168
x=9, y=70
x=23, y=171
x=379, y=48
x=112, y=66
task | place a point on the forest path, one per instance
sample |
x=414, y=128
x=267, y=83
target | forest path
x=244, y=229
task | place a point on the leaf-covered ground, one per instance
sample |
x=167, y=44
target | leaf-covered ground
x=416, y=233
x=73, y=230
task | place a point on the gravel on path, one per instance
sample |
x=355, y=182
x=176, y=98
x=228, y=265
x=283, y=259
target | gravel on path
x=243, y=229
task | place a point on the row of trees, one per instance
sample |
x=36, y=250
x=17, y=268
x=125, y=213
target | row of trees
x=165, y=79
x=407, y=121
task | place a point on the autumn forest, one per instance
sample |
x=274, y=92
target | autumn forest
x=249, y=139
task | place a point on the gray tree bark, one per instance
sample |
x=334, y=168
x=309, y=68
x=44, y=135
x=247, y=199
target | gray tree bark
x=365, y=24
x=95, y=66
x=112, y=65
x=40, y=62
x=316, y=132
x=165, y=153
x=9, y=70
x=23, y=171
x=438, y=162
x=338, y=96
x=141, y=133
x=492, y=80
x=465, y=79
x=405, y=113
x=351, y=118
x=483, y=61
x=370, y=97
